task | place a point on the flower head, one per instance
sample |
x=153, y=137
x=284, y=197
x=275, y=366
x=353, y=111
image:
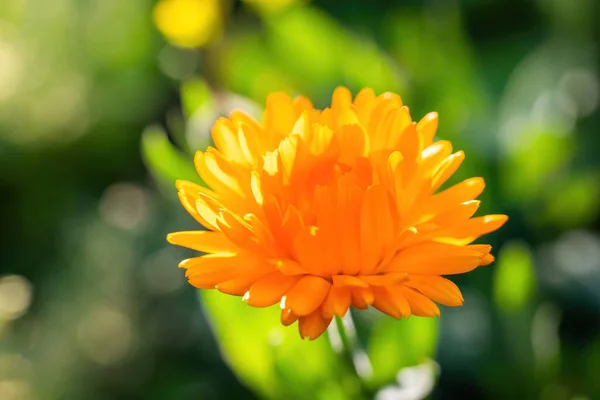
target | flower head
x=323, y=210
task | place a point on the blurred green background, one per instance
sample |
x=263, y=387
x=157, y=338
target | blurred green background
x=102, y=102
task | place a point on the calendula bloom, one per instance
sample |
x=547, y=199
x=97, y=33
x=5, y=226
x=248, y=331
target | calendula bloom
x=323, y=210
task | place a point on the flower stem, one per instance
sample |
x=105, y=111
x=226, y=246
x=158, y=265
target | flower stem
x=345, y=341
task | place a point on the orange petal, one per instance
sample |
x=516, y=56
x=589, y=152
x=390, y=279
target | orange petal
x=313, y=325
x=466, y=190
x=376, y=227
x=308, y=247
x=302, y=127
x=269, y=290
x=204, y=241
x=487, y=260
x=471, y=230
x=481, y=248
x=306, y=295
x=240, y=118
x=420, y=305
x=263, y=236
x=488, y=223
x=189, y=188
x=288, y=317
x=327, y=237
x=362, y=298
x=384, y=279
x=189, y=203
x=289, y=267
x=427, y=127
x=394, y=166
x=207, y=271
x=457, y=214
x=433, y=154
x=435, y=259
x=301, y=104
x=353, y=143
x=225, y=137
x=347, y=232
x=250, y=144
x=238, y=231
x=188, y=195
x=291, y=225
x=348, y=280
x=240, y=285
x=341, y=99
x=383, y=104
x=320, y=140
x=208, y=209
x=410, y=147
x=390, y=129
x=337, y=302
x=288, y=148
x=279, y=115
x=437, y=288
x=364, y=103
x=217, y=172
x=446, y=169
x=391, y=301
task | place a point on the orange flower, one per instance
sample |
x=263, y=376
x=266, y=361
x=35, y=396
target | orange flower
x=323, y=210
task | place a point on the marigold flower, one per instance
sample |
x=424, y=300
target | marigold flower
x=323, y=210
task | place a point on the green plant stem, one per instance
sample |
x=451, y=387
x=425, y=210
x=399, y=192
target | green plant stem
x=352, y=351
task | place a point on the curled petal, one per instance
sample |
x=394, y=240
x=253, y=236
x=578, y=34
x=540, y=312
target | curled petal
x=419, y=304
x=269, y=290
x=288, y=317
x=337, y=302
x=391, y=300
x=240, y=285
x=313, y=325
x=306, y=295
x=438, y=289
x=362, y=298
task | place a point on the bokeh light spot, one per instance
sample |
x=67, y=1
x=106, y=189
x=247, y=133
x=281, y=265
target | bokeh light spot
x=15, y=296
x=104, y=335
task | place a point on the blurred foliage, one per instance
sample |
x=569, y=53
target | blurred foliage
x=93, y=95
x=273, y=360
x=514, y=277
x=164, y=160
x=399, y=344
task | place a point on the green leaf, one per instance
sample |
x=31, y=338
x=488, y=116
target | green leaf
x=273, y=359
x=514, y=279
x=397, y=344
x=165, y=162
